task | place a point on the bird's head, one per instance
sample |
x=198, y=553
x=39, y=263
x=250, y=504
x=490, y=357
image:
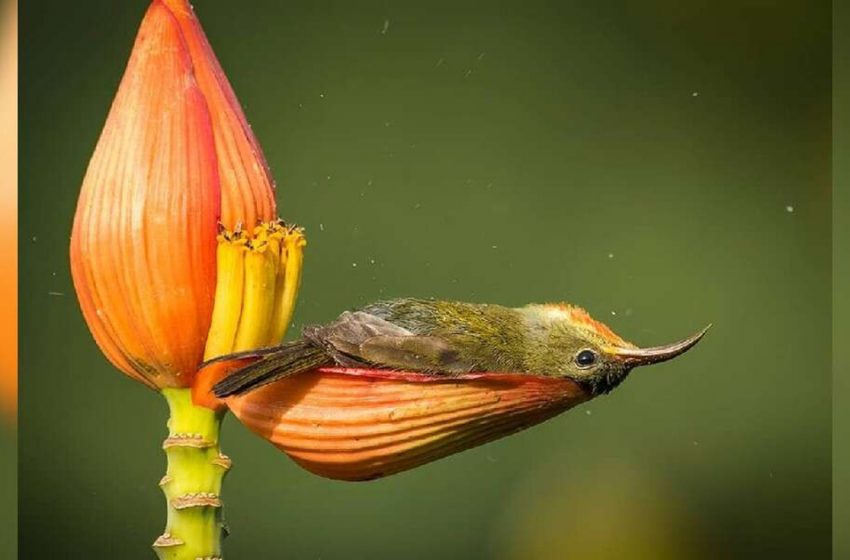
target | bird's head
x=587, y=351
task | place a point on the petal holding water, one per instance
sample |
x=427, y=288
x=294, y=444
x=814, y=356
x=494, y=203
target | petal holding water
x=351, y=424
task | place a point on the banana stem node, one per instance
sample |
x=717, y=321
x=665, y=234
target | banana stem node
x=192, y=482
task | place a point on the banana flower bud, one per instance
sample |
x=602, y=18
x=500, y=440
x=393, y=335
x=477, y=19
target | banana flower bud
x=177, y=254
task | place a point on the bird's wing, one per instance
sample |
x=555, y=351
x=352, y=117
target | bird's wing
x=360, y=338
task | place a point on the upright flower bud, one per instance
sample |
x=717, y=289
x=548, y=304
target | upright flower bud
x=176, y=251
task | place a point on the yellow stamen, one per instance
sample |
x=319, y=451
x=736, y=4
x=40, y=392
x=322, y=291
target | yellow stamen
x=228, y=294
x=257, y=299
x=258, y=282
x=289, y=280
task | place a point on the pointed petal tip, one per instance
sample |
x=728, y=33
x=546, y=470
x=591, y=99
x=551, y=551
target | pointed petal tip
x=247, y=187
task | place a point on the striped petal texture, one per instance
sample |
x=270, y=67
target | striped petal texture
x=144, y=236
x=177, y=179
x=352, y=424
x=247, y=189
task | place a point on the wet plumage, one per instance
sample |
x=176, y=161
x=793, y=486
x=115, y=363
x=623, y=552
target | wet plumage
x=448, y=338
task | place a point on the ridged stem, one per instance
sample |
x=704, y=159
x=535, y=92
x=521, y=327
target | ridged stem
x=192, y=482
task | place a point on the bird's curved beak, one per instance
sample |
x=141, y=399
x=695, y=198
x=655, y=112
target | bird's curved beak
x=634, y=357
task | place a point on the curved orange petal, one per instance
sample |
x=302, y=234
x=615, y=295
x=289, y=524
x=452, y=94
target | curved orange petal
x=143, y=241
x=202, y=393
x=247, y=189
x=354, y=424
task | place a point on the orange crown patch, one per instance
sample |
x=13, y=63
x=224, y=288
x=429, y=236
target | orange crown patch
x=583, y=319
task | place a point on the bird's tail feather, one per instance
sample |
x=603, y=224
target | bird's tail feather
x=289, y=358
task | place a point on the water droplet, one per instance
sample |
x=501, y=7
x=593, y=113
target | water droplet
x=613, y=313
x=481, y=56
x=321, y=227
x=354, y=265
x=789, y=209
x=386, y=26
x=589, y=413
x=610, y=255
x=34, y=238
x=322, y=95
x=695, y=94
x=494, y=246
x=371, y=261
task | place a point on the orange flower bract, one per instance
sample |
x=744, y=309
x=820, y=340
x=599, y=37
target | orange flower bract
x=176, y=162
x=247, y=189
x=354, y=424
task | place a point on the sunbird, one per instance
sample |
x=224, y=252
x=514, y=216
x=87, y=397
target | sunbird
x=447, y=338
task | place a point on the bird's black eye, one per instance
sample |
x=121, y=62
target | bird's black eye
x=585, y=358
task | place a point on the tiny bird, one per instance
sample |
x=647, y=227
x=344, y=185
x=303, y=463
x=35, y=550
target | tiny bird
x=446, y=338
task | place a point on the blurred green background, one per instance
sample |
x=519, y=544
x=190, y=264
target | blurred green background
x=841, y=281
x=8, y=489
x=663, y=164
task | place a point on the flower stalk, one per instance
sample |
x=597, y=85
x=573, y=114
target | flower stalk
x=192, y=481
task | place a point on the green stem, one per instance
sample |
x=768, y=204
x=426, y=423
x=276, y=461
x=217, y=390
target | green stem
x=192, y=483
